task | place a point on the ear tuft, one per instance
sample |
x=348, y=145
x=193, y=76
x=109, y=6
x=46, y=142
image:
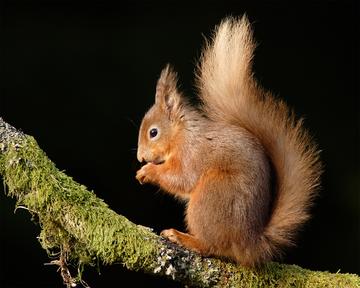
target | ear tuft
x=167, y=95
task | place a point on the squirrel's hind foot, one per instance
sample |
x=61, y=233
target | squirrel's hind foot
x=185, y=240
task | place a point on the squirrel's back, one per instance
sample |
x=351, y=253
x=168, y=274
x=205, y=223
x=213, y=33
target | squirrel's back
x=230, y=94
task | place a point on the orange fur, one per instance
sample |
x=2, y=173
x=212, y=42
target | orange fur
x=225, y=156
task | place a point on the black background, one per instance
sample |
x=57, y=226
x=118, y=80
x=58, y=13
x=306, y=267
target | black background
x=79, y=77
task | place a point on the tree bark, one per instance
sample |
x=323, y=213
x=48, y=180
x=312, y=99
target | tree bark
x=85, y=231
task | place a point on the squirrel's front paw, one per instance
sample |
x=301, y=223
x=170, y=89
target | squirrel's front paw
x=144, y=174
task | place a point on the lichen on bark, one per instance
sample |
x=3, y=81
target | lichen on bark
x=85, y=231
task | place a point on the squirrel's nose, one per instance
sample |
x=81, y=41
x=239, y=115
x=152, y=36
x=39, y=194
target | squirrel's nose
x=139, y=156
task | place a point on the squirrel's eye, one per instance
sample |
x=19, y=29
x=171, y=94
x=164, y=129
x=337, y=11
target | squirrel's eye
x=153, y=132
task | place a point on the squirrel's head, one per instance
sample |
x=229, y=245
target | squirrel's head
x=161, y=126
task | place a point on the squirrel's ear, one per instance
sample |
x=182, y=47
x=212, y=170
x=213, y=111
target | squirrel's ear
x=167, y=95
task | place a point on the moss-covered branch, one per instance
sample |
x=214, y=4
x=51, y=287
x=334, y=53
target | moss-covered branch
x=84, y=230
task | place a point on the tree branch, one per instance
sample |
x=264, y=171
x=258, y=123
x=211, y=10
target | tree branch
x=83, y=230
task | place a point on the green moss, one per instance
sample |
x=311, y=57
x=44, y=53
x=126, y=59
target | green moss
x=280, y=275
x=67, y=211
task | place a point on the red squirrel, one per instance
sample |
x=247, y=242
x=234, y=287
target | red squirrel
x=244, y=164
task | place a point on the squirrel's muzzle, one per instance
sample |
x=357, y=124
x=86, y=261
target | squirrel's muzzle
x=140, y=156
x=145, y=158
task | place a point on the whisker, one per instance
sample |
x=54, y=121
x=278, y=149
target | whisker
x=132, y=122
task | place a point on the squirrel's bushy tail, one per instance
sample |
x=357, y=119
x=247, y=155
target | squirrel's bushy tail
x=230, y=93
